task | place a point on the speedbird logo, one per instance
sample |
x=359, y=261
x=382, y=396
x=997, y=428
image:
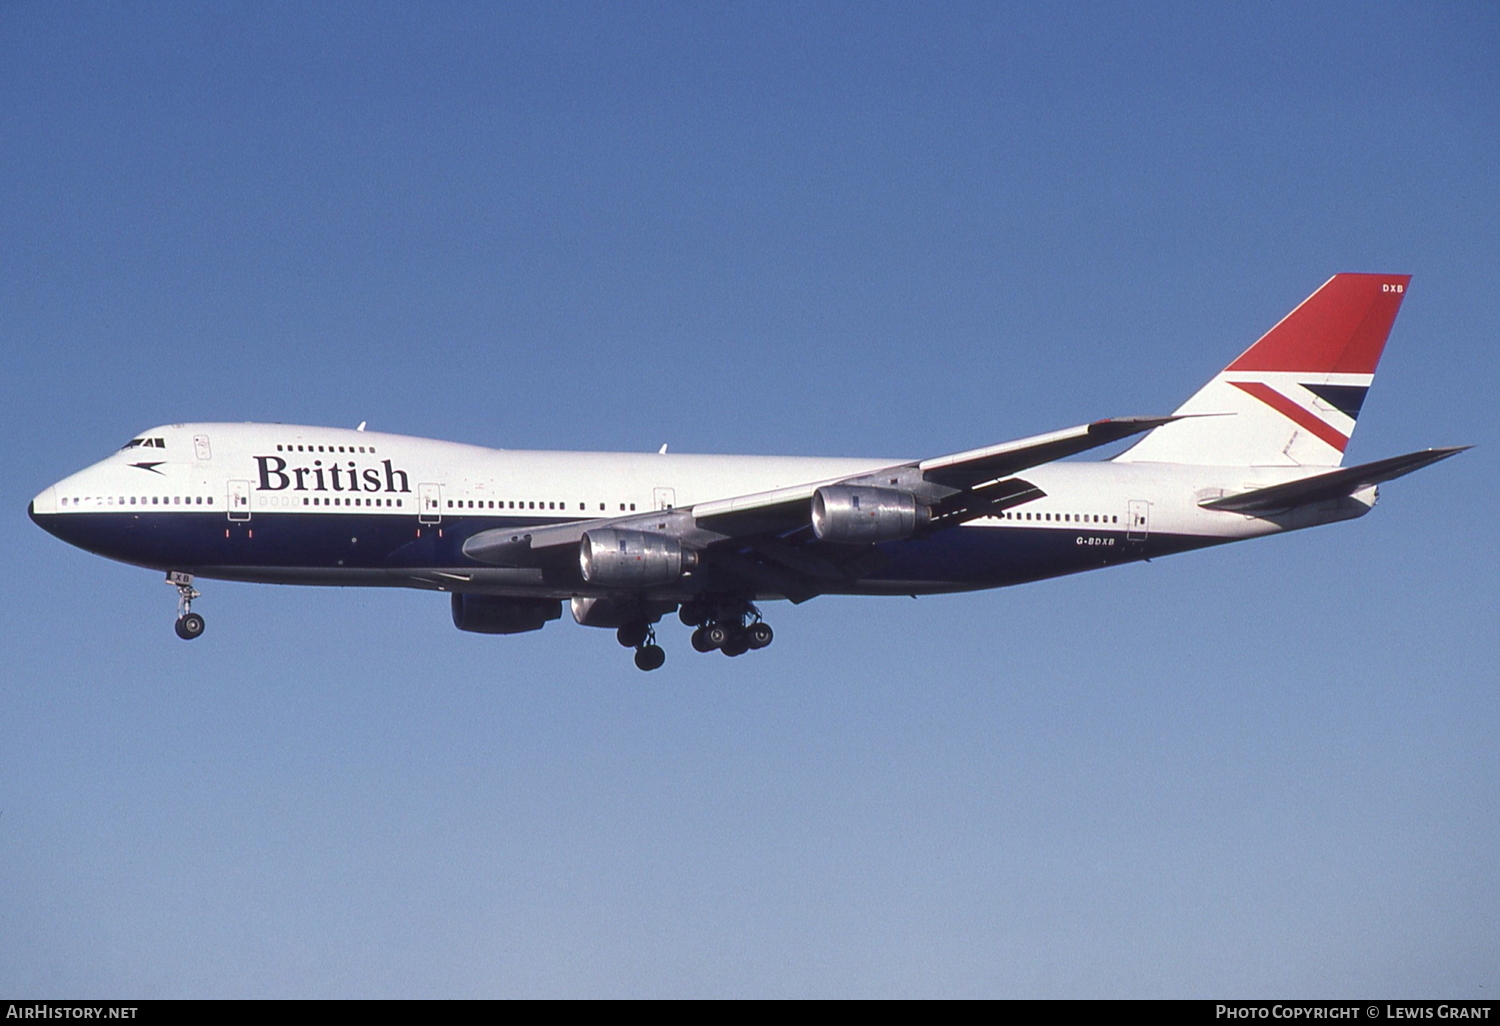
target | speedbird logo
x=276, y=476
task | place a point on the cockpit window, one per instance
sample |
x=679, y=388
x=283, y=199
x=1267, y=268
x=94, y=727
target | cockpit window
x=150, y=443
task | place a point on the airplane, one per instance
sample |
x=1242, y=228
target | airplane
x=628, y=538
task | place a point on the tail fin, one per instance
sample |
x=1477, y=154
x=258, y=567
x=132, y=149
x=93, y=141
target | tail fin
x=1292, y=398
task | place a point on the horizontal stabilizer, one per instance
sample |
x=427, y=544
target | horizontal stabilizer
x=1335, y=484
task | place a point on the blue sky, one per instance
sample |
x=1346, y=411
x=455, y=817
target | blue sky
x=874, y=229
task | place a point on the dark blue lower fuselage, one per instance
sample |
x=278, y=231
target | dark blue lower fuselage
x=330, y=548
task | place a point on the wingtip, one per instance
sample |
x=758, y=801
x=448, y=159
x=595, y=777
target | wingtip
x=1123, y=427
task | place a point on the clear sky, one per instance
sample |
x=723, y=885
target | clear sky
x=838, y=229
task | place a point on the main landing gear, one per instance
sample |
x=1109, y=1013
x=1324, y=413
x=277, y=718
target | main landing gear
x=731, y=626
x=189, y=623
x=641, y=636
x=723, y=626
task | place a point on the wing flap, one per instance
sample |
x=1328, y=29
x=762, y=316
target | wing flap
x=982, y=502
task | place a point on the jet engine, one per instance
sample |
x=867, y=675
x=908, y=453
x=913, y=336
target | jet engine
x=849, y=514
x=613, y=612
x=491, y=614
x=632, y=559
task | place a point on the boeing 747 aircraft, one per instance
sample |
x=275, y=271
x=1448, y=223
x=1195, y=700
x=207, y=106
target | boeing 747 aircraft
x=627, y=538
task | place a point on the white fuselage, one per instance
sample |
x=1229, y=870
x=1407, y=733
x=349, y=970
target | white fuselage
x=288, y=504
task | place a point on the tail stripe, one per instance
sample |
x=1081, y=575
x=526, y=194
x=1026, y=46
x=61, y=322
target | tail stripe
x=1301, y=417
x=1347, y=399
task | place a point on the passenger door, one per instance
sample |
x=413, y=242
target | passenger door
x=239, y=500
x=429, y=504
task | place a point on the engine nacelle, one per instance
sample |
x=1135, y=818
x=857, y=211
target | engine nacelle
x=845, y=513
x=612, y=612
x=493, y=614
x=612, y=558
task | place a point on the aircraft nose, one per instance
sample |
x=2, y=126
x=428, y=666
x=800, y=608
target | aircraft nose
x=41, y=509
x=44, y=504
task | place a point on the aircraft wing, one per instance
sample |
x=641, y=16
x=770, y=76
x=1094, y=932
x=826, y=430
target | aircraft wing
x=1336, y=484
x=955, y=489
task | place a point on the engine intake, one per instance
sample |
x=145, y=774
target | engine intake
x=845, y=513
x=491, y=614
x=612, y=558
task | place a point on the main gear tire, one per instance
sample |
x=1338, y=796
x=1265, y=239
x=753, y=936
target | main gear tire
x=759, y=634
x=737, y=644
x=633, y=635
x=650, y=657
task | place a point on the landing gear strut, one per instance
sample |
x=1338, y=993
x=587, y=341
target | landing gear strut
x=189, y=624
x=641, y=636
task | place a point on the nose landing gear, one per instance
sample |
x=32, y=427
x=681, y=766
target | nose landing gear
x=189, y=624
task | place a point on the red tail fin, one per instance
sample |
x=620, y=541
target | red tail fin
x=1293, y=397
x=1339, y=329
